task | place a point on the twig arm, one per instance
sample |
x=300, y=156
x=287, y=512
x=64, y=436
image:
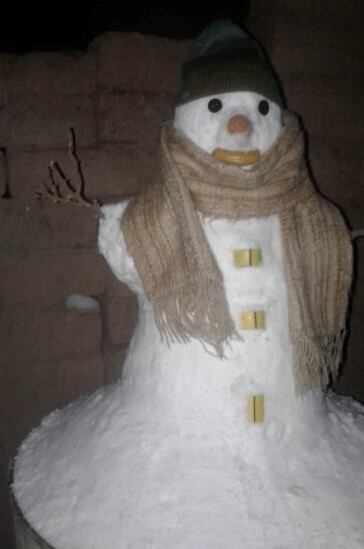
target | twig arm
x=60, y=189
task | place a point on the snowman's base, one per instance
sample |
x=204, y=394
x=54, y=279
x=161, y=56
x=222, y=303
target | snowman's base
x=25, y=536
x=95, y=476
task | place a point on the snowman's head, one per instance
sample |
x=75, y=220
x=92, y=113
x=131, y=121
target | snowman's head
x=235, y=127
x=229, y=103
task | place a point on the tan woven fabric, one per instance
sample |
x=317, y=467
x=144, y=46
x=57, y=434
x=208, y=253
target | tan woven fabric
x=179, y=271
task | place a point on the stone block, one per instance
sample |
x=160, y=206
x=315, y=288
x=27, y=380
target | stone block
x=120, y=319
x=355, y=215
x=264, y=34
x=135, y=61
x=117, y=171
x=79, y=375
x=337, y=175
x=115, y=289
x=351, y=381
x=39, y=225
x=339, y=118
x=321, y=35
x=30, y=120
x=47, y=277
x=317, y=50
x=3, y=173
x=114, y=357
x=336, y=167
x=49, y=73
x=7, y=73
x=317, y=12
x=6, y=517
x=133, y=117
x=31, y=333
x=49, y=385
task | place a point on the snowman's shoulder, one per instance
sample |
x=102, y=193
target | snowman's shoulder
x=112, y=246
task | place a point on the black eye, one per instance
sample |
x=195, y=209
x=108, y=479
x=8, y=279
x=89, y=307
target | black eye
x=215, y=105
x=263, y=107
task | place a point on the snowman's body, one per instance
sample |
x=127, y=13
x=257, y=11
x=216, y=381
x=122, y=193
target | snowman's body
x=168, y=458
x=188, y=380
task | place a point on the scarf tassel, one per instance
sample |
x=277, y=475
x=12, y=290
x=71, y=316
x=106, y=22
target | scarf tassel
x=317, y=360
x=202, y=315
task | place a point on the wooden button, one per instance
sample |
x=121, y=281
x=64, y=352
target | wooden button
x=252, y=320
x=255, y=409
x=247, y=257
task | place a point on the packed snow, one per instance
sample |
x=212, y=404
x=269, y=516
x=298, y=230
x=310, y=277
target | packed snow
x=103, y=474
x=166, y=458
x=82, y=303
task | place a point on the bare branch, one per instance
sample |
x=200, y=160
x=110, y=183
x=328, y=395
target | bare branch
x=74, y=156
x=60, y=189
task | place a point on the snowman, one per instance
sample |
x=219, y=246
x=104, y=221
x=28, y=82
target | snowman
x=221, y=433
x=225, y=262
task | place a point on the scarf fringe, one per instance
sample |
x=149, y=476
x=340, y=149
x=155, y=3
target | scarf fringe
x=196, y=311
x=317, y=361
x=181, y=278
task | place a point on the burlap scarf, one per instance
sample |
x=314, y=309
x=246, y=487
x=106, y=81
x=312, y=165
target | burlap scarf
x=179, y=272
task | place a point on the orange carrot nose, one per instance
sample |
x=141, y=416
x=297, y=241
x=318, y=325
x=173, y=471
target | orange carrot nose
x=238, y=124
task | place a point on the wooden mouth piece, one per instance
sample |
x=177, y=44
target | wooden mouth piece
x=239, y=158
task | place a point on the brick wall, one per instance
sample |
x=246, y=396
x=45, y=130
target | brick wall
x=116, y=96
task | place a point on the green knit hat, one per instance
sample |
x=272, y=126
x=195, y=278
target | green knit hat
x=223, y=58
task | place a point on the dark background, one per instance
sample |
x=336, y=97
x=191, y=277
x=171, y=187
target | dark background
x=61, y=25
